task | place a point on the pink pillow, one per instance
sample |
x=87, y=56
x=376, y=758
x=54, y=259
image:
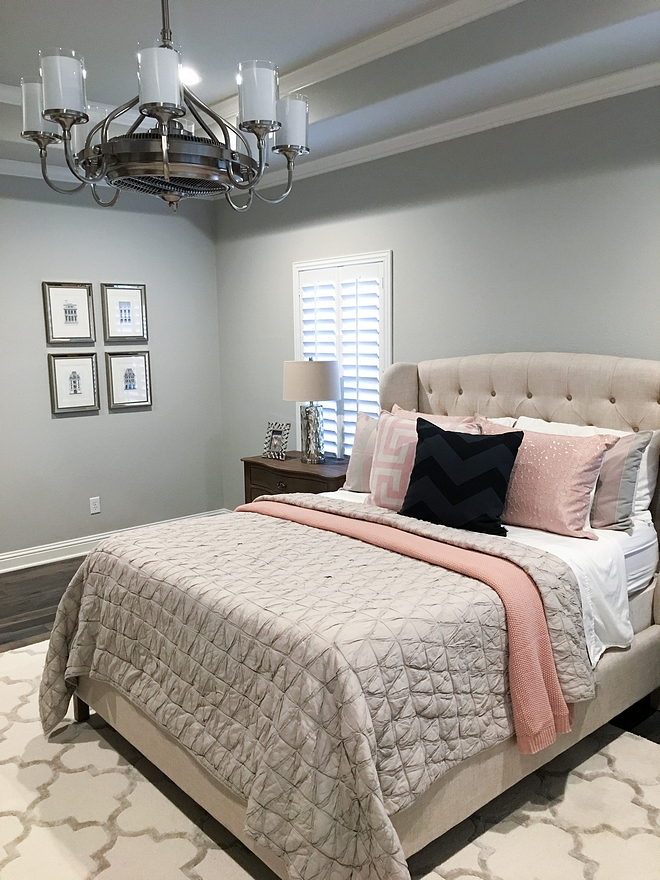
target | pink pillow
x=394, y=454
x=448, y=423
x=552, y=481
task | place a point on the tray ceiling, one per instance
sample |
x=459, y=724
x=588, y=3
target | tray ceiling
x=382, y=78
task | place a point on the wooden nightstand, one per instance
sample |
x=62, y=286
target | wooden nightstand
x=268, y=476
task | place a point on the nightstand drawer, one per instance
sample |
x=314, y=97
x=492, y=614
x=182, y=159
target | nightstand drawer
x=274, y=483
x=265, y=476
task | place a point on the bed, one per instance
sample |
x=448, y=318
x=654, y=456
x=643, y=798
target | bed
x=616, y=393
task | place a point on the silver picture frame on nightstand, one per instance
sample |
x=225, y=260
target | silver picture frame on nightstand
x=276, y=441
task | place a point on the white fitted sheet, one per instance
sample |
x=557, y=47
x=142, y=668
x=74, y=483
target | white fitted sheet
x=607, y=570
x=640, y=552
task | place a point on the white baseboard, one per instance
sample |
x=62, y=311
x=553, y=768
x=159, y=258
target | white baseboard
x=60, y=550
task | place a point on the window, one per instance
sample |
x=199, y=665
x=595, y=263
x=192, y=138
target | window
x=343, y=312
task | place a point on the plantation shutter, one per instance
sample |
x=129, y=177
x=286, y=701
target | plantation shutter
x=344, y=311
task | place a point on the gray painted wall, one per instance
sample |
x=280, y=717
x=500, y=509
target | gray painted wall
x=145, y=466
x=538, y=236
x=542, y=235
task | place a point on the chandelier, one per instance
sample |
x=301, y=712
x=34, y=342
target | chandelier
x=164, y=157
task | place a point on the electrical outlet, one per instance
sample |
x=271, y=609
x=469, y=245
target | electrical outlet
x=95, y=505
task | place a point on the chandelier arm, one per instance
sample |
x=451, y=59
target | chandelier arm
x=224, y=125
x=289, y=186
x=98, y=201
x=138, y=122
x=258, y=174
x=71, y=163
x=116, y=113
x=200, y=120
x=225, y=128
x=58, y=189
x=240, y=208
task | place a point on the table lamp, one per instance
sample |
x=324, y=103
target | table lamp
x=311, y=380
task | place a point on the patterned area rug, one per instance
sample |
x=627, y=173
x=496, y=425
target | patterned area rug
x=85, y=804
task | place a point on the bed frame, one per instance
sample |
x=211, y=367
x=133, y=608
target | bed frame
x=611, y=392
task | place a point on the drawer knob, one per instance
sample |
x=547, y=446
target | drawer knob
x=281, y=485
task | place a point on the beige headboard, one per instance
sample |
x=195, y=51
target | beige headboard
x=582, y=389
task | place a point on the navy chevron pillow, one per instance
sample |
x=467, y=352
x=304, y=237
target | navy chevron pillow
x=460, y=480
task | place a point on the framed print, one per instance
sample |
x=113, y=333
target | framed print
x=73, y=383
x=69, y=313
x=124, y=312
x=129, y=379
x=277, y=437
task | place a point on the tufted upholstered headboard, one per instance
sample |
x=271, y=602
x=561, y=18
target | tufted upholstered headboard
x=580, y=389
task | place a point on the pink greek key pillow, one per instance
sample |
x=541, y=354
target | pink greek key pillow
x=394, y=454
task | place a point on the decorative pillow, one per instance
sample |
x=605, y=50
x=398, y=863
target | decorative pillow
x=459, y=479
x=362, y=453
x=449, y=423
x=394, y=456
x=628, y=475
x=614, y=500
x=552, y=480
x=495, y=426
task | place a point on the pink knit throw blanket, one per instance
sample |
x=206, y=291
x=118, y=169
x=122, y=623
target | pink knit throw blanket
x=539, y=709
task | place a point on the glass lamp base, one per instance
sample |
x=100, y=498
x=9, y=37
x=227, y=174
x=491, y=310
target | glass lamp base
x=311, y=425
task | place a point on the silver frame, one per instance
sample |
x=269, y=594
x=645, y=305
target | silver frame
x=51, y=339
x=282, y=428
x=55, y=404
x=115, y=405
x=109, y=338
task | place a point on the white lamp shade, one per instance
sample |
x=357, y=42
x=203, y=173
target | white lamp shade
x=63, y=75
x=159, y=76
x=257, y=91
x=292, y=113
x=311, y=380
x=32, y=100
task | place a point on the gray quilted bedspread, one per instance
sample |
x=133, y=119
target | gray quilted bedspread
x=327, y=681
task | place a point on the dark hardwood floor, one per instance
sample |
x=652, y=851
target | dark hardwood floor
x=28, y=601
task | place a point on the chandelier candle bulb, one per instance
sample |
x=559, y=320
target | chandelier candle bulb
x=257, y=91
x=32, y=101
x=292, y=113
x=158, y=74
x=63, y=75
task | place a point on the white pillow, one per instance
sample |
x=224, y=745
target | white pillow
x=648, y=469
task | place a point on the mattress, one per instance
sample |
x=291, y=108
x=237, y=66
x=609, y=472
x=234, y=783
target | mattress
x=609, y=571
x=640, y=552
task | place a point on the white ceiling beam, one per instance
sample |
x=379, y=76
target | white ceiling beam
x=410, y=33
x=10, y=95
x=598, y=89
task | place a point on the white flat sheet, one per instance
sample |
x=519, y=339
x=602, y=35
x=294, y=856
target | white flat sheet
x=600, y=569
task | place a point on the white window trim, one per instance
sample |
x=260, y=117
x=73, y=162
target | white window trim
x=385, y=257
